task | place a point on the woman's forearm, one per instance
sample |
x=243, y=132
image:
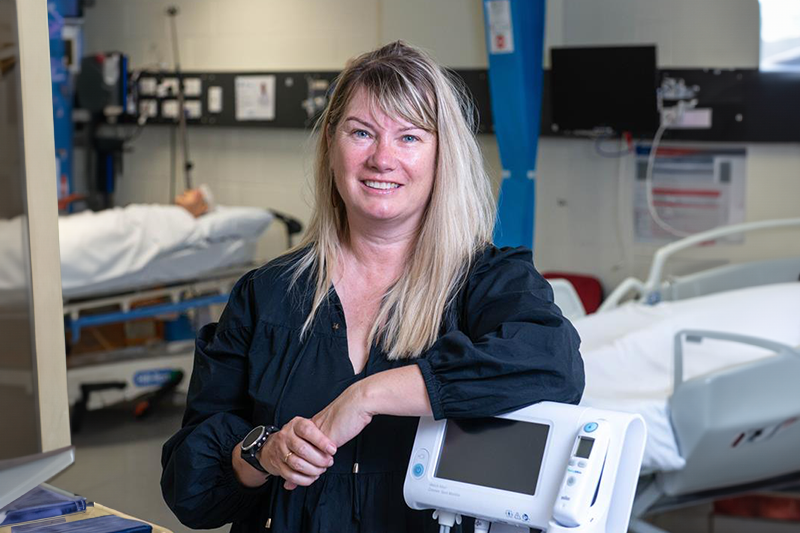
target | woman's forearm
x=396, y=392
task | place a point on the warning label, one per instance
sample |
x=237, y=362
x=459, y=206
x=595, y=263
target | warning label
x=501, y=31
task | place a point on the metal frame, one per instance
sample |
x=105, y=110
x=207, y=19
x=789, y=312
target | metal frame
x=214, y=290
x=747, y=415
x=651, y=291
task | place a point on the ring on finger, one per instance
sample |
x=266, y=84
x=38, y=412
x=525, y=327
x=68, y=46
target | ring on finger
x=286, y=458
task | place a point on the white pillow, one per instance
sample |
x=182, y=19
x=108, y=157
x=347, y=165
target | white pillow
x=228, y=223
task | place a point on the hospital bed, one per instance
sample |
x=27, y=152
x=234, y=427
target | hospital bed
x=712, y=362
x=189, y=278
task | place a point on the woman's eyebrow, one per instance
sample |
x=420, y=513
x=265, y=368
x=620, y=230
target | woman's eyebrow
x=371, y=126
x=363, y=122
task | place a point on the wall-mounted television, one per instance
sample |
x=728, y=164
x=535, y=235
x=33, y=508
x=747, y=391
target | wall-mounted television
x=605, y=88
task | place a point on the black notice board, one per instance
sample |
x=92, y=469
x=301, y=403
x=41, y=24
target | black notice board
x=747, y=105
x=299, y=97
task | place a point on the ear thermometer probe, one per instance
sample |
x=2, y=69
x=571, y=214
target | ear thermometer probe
x=583, y=474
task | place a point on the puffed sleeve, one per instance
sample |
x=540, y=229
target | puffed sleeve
x=512, y=347
x=198, y=481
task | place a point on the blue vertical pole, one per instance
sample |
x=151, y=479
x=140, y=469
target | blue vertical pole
x=62, y=98
x=515, y=42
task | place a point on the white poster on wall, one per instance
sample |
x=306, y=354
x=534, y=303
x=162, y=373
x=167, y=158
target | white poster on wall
x=255, y=98
x=693, y=190
x=501, y=30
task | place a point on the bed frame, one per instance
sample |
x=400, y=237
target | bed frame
x=738, y=429
x=149, y=373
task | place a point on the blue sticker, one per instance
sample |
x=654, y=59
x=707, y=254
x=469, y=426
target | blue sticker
x=154, y=377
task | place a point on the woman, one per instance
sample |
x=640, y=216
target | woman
x=395, y=306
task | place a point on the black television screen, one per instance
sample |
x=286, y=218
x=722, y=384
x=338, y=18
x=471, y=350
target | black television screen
x=605, y=87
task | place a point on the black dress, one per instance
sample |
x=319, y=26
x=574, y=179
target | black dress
x=503, y=345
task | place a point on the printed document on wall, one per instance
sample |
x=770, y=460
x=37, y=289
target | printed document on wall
x=694, y=190
x=255, y=98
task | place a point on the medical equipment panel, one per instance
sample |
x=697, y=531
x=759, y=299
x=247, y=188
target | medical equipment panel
x=468, y=454
x=583, y=474
x=515, y=469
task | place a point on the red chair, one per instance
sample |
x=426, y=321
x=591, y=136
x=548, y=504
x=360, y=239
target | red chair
x=589, y=288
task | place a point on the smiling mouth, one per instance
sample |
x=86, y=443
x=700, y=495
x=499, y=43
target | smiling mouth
x=381, y=185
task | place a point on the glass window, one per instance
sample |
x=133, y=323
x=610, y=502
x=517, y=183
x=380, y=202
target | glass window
x=780, y=35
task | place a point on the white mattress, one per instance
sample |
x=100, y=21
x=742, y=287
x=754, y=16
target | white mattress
x=628, y=352
x=138, y=245
x=183, y=265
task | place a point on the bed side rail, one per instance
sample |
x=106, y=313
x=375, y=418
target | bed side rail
x=650, y=290
x=620, y=292
x=738, y=425
x=696, y=335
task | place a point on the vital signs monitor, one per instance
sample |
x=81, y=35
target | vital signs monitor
x=550, y=466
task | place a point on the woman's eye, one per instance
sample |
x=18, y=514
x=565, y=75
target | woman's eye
x=410, y=138
x=361, y=134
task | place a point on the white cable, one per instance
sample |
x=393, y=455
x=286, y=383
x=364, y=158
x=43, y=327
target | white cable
x=446, y=520
x=651, y=160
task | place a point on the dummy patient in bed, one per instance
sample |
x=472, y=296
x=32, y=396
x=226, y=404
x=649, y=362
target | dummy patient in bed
x=105, y=245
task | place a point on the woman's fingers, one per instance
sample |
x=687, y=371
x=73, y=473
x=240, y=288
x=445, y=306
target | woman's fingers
x=306, y=444
x=300, y=464
x=299, y=453
x=308, y=430
x=293, y=476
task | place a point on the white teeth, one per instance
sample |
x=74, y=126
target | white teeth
x=381, y=185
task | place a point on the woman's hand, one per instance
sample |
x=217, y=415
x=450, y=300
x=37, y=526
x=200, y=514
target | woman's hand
x=345, y=417
x=299, y=453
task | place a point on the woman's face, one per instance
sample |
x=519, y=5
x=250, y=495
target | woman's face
x=383, y=166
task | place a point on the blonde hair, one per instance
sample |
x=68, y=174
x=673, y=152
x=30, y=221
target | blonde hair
x=403, y=81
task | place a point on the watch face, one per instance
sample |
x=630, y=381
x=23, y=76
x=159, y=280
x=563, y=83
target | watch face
x=252, y=437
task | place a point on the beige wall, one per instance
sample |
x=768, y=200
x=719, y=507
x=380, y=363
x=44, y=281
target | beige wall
x=577, y=193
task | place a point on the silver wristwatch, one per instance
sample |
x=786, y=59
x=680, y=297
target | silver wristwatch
x=253, y=443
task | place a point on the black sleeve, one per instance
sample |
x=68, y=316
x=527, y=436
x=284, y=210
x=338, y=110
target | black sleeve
x=198, y=481
x=513, y=347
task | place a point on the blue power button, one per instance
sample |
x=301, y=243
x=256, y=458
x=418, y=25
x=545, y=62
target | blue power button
x=591, y=426
x=418, y=470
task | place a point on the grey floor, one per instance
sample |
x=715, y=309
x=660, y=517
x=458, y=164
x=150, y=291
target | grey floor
x=118, y=464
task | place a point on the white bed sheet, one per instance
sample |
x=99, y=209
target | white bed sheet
x=138, y=245
x=628, y=352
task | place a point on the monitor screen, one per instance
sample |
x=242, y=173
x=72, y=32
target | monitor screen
x=494, y=452
x=584, y=447
x=606, y=87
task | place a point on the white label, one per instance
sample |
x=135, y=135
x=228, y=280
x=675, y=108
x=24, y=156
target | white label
x=111, y=69
x=193, y=109
x=215, y=99
x=255, y=98
x=501, y=31
x=147, y=86
x=169, y=109
x=192, y=87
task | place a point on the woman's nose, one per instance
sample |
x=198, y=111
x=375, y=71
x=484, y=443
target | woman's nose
x=382, y=159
